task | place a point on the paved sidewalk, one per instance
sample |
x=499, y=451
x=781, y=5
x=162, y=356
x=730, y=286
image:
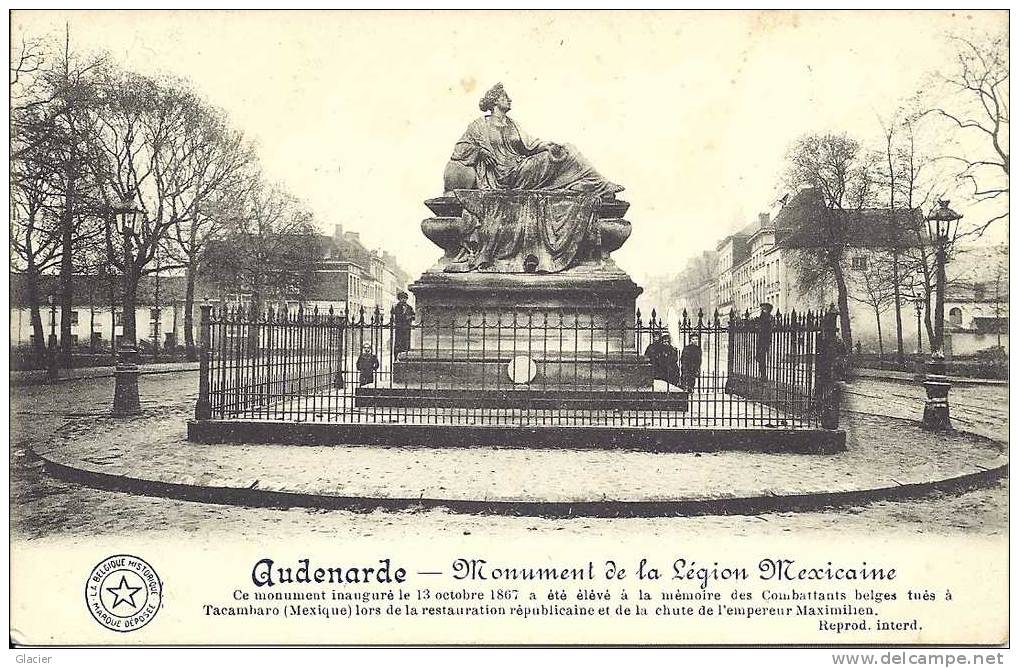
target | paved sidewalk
x=36, y=376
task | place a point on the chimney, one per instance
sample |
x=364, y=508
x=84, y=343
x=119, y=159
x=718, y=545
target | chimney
x=764, y=219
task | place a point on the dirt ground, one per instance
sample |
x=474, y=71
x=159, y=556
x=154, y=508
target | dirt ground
x=43, y=506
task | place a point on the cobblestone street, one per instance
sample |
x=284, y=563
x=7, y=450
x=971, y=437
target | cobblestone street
x=44, y=506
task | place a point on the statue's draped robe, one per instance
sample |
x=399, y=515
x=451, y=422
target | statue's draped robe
x=544, y=205
x=504, y=158
x=510, y=227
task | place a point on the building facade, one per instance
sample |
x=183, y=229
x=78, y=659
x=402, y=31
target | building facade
x=758, y=264
x=97, y=318
x=348, y=278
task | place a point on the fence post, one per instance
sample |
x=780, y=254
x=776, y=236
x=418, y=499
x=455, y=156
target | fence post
x=827, y=383
x=203, y=409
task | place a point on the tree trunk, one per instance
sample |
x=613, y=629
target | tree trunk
x=67, y=260
x=900, y=353
x=39, y=342
x=157, y=323
x=880, y=339
x=928, y=322
x=843, y=296
x=189, y=307
x=113, y=319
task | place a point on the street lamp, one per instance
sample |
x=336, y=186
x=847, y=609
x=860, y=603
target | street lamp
x=935, y=412
x=128, y=216
x=52, y=370
x=918, y=371
x=918, y=305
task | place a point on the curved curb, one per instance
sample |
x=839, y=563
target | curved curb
x=750, y=505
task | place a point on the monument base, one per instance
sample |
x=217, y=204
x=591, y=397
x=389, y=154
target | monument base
x=523, y=399
x=572, y=329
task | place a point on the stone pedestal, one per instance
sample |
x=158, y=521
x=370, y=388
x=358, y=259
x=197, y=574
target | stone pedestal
x=576, y=326
x=496, y=316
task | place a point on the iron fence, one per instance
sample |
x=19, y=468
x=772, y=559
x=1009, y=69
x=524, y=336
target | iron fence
x=521, y=368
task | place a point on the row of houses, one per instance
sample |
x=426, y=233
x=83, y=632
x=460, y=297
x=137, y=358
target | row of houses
x=758, y=264
x=348, y=277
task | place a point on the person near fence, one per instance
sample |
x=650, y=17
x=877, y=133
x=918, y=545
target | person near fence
x=841, y=358
x=764, y=328
x=367, y=363
x=402, y=317
x=664, y=358
x=691, y=363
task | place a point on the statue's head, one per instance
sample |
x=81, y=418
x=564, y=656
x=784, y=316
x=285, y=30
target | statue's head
x=494, y=96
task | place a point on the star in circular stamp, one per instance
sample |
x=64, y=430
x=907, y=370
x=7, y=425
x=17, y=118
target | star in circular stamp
x=123, y=593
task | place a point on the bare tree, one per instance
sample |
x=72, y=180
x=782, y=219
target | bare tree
x=34, y=233
x=269, y=248
x=222, y=161
x=52, y=219
x=890, y=174
x=923, y=181
x=877, y=288
x=977, y=107
x=149, y=145
x=1000, y=290
x=836, y=168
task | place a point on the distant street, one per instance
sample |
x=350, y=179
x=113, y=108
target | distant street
x=44, y=506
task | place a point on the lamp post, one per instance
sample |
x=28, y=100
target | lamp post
x=935, y=412
x=125, y=394
x=52, y=369
x=918, y=370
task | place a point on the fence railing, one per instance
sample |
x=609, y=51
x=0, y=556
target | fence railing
x=516, y=368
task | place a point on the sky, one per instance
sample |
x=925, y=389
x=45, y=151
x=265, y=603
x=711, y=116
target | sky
x=693, y=112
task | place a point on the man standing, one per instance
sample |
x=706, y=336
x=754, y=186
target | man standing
x=664, y=358
x=401, y=317
x=691, y=363
x=764, y=327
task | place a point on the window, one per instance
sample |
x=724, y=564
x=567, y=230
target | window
x=978, y=291
x=154, y=314
x=859, y=262
x=118, y=318
x=74, y=318
x=955, y=316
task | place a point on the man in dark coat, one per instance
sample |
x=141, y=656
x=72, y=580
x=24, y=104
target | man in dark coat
x=691, y=363
x=764, y=327
x=664, y=359
x=402, y=317
x=367, y=363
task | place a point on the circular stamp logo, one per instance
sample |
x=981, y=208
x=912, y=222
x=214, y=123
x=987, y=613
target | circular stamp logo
x=123, y=593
